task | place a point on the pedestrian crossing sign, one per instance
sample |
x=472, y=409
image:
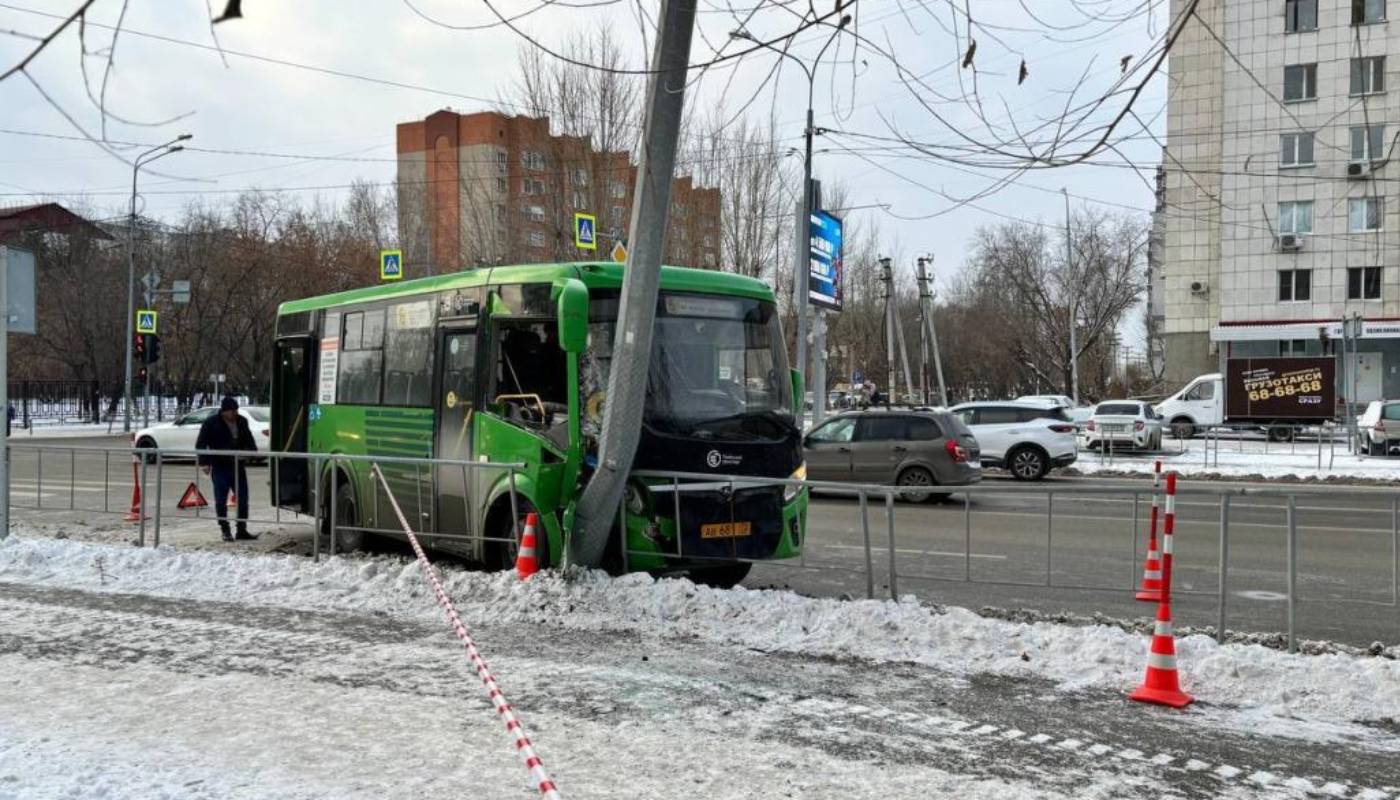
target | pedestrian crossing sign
x=146, y=320
x=390, y=265
x=585, y=231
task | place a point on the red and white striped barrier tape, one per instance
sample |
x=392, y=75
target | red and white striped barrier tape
x=493, y=690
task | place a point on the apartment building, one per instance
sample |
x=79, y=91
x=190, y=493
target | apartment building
x=1282, y=202
x=487, y=188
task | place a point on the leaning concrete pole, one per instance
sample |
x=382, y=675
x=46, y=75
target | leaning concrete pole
x=627, y=380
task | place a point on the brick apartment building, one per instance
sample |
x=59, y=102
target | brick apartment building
x=486, y=188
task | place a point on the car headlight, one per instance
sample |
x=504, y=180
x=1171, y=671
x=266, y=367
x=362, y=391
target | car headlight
x=636, y=503
x=800, y=474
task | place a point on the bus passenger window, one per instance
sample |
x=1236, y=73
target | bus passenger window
x=408, y=355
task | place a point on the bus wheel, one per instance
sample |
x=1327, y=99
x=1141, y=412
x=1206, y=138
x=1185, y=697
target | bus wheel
x=724, y=576
x=346, y=515
x=504, y=546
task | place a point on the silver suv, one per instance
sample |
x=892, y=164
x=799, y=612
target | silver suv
x=901, y=447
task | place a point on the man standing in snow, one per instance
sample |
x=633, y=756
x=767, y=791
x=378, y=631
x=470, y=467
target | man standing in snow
x=227, y=430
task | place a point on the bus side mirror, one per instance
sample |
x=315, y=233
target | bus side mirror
x=571, y=299
x=798, y=390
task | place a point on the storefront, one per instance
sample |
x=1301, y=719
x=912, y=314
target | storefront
x=1375, y=362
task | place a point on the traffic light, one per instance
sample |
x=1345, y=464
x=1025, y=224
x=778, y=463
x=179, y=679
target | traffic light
x=152, y=348
x=138, y=348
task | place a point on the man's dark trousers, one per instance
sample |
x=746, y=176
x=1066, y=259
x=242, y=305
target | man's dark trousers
x=226, y=479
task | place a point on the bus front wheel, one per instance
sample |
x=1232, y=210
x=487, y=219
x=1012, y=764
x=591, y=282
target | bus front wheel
x=504, y=545
x=346, y=516
x=724, y=576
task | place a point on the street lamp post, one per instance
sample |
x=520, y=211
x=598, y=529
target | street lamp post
x=804, y=222
x=141, y=160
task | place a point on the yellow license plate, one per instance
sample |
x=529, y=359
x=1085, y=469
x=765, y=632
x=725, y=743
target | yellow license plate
x=725, y=530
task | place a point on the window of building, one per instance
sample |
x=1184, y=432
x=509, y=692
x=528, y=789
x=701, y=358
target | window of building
x=580, y=199
x=1365, y=12
x=531, y=186
x=617, y=189
x=709, y=241
x=536, y=213
x=501, y=161
x=1368, y=75
x=408, y=374
x=1295, y=150
x=1295, y=216
x=1300, y=82
x=1293, y=347
x=1299, y=16
x=537, y=239
x=616, y=215
x=1294, y=285
x=532, y=159
x=500, y=214
x=1364, y=214
x=680, y=210
x=1367, y=143
x=1363, y=283
x=501, y=185
x=580, y=177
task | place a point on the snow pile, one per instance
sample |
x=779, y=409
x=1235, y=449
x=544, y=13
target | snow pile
x=1324, y=687
x=1282, y=461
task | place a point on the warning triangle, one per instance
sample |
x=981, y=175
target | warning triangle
x=192, y=498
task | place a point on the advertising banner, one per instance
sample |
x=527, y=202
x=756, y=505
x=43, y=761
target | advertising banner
x=1280, y=388
x=825, y=271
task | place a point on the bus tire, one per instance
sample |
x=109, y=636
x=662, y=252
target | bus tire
x=503, y=546
x=723, y=576
x=347, y=512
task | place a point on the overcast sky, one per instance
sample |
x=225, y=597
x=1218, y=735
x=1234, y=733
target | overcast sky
x=258, y=105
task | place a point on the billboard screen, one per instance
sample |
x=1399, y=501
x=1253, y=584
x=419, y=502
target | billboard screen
x=825, y=268
x=1281, y=388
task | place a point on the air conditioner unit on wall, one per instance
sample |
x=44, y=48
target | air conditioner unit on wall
x=1200, y=288
x=1289, y=242
x=1358, y=169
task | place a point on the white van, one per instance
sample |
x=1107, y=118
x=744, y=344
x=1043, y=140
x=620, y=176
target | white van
x=1199, y=404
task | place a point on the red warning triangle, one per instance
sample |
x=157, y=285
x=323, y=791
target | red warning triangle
x=192, y=498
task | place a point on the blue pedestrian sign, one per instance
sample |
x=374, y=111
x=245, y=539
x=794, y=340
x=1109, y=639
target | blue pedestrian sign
x=146, y=320
x=857, y=376
x=585, y=231
x=390, y=265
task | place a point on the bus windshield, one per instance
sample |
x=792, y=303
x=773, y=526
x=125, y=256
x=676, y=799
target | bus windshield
x=718, y=367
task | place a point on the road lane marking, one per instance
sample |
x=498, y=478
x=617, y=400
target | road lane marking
x=905, y=551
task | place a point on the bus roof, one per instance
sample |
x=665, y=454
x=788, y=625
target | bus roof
x=595, y=275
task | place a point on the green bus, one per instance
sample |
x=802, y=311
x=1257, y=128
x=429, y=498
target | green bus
x=509, y=364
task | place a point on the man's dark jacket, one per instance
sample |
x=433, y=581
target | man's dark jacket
x=215, y=435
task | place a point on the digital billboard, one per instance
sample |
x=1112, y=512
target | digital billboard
x=825, y=270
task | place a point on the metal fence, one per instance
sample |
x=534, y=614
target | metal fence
x=57, y=400
x=898, y=541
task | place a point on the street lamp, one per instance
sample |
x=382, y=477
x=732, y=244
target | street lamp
x=804, y=220
x=141, y=160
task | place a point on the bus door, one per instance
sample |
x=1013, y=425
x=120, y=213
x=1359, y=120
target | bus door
x=291, y=398
x=454, y=404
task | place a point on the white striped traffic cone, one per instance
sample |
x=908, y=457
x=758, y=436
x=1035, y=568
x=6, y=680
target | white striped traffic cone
x=525, y=563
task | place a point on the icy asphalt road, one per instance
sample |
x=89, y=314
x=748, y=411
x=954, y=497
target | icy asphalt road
x=115, y=695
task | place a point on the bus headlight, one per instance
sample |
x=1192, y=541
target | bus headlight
x=800, y=474
x=636, y=503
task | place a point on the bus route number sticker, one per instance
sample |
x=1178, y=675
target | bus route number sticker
x=452, y=397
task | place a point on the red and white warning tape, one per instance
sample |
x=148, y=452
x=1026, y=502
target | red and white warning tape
x=493, y=690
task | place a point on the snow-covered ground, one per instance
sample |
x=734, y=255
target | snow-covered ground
x=41, y=429
x=128, y=672
x=1248, y=458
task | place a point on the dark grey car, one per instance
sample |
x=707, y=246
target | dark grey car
x=894, y=447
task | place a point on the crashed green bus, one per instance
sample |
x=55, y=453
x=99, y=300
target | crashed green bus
x=509, y=364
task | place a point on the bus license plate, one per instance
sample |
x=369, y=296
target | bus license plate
x=725, y=530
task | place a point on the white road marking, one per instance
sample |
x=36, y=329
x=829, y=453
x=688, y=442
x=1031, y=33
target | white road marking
x=915, y=552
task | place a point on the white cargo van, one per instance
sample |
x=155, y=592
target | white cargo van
x=1199, y=404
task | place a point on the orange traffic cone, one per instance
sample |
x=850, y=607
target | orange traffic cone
x=1151, y=589
x=134, y=515
x=525, y=563
x=1160, y=686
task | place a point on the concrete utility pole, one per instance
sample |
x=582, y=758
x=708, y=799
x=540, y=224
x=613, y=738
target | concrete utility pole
x=141, y=160
x=926, y=303
x=887, y=283
x=631, y=356
x=1073, y=306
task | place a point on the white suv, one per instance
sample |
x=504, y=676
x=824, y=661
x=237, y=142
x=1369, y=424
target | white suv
x=1028, y=440
x=1378, y=429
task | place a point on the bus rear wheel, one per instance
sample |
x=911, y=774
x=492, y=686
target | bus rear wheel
x=347, y=515
x=724, y=576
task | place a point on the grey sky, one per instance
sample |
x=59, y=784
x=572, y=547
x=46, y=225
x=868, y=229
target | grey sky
x=254, y=105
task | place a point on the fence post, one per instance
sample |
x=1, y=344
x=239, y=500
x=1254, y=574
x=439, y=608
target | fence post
x=1292, y=553
x=155, y=542
x=967, y=536
x=335, y=491
x=72, y=479
x=869, y=560
x=141, y=507
x=889, y=519
x=1394, y=551
x=1224, y=588
x=1049, y=536
x=621, y=529
x=515, y=511
x=39, y=481
x=316, y=509
x=1132, y=561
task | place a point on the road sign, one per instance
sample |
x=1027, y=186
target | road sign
x=146, y=320
x=857, y=376
x=619, y=252
x=19, y=290
x=390, y=265
x=151, y=280
x=180, y=292
x=585, y=231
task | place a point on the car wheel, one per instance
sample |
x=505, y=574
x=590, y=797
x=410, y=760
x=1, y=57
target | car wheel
x=1374, y=448
x=915, y=476
x=724, y=576
x=145, y=443
x=1183, y=429
x=347, y=515
x=1028, y=463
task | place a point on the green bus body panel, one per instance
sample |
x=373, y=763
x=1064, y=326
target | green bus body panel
x=593, y=275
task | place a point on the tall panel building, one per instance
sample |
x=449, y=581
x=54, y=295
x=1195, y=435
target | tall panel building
x=1281, y=203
